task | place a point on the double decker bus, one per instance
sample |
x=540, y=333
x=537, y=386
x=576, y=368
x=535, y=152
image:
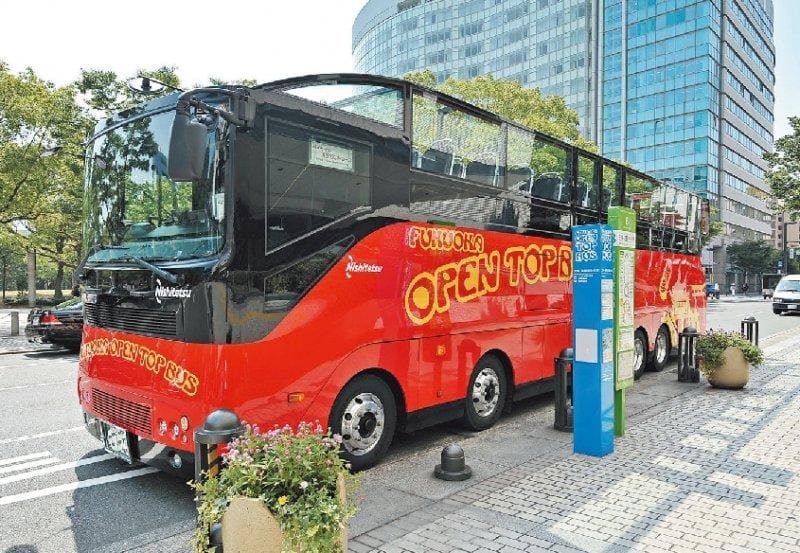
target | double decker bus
x=352, y=249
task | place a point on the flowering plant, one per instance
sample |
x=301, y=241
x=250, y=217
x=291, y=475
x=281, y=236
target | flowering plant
x=711, y=345
x=294, y=473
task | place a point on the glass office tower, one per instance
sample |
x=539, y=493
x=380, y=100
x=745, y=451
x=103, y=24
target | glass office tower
x=681, y=89
x=542, y=43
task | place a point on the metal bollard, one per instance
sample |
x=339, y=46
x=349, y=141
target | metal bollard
x=750, y=330
x=563, y=385
x=687, y=358
x=14, y=323
x=220, y=427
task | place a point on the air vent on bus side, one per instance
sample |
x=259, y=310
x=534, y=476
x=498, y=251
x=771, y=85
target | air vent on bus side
x=152, y=322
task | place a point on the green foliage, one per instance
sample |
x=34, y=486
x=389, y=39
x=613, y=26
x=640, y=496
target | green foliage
x=295, y=474
x=711, y=345
x=753, y=256
x=784, y=174
x=510, y=100
x=107, y=94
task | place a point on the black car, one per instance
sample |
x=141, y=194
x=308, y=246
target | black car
x=61, y=325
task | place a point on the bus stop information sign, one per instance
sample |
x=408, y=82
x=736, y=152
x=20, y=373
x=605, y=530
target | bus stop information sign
x=593, y=339
x=623, y=221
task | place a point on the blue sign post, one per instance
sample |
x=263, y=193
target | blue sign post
x=593, y=339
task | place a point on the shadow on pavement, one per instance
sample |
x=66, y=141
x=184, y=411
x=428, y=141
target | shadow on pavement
x=127, y=513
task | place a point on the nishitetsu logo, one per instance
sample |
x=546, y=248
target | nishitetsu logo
x=170, y=292
x=354, y=266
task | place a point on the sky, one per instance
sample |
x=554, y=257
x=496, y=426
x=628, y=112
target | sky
x=263, y=40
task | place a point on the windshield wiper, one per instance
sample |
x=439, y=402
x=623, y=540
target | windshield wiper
x=155, y=270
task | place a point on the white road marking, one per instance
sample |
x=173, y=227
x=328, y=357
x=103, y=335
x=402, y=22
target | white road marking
x=42, y=435
x=29, y=457
x=56, y=468
x=22, y=387
x=29, y=465
x=17, y=498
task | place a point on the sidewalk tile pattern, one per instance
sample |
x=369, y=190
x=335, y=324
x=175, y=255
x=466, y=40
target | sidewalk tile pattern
x=713, y=470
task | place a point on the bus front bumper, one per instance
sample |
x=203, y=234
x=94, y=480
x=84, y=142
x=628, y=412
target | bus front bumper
x=167, y=459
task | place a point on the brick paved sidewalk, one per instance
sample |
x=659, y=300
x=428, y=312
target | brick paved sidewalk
x=704, y=470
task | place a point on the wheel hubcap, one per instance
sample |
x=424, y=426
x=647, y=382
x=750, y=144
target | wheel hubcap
x=362, y=423
x=661, y=347
x=638, y=355
x=486, y=392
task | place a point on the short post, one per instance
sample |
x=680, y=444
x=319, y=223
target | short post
x=563, y=385
x=15, y=323
x=220, y=427
x=750, y=330
x=687, y=358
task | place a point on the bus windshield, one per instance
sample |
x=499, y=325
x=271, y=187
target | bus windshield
x=134, y=210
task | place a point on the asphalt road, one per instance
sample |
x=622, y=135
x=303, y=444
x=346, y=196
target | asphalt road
x=60, y=492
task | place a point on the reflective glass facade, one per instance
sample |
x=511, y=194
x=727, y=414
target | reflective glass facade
x=543, y=43
x=687, y=96
x=680, y=89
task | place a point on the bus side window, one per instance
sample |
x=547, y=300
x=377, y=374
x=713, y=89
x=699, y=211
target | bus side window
x=519, y=157
x=449, y=141
x=639, y=195
x=550, y=172
x=612, y=183
x=312, y=179
x=585, y=197
x=586, y=189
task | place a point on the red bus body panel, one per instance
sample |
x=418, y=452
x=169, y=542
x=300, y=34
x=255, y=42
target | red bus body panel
x=422, y=303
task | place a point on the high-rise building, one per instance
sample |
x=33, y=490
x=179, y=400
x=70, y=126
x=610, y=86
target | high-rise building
x=681, y=89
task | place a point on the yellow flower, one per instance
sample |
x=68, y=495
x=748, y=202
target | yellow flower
x=282, y=500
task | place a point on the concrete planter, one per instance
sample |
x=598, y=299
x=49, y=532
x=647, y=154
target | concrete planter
x=734, y=372
x=249, y=527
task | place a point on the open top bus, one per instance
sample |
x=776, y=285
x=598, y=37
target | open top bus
x=352, y=249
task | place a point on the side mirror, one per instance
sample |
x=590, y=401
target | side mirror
x=76, y=291
x=187, y=148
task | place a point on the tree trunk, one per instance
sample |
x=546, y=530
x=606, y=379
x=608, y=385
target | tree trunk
x=59, y=282
x=32, y=278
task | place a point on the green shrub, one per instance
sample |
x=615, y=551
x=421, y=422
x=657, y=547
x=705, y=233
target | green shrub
x=295, y=474
x=711, y=345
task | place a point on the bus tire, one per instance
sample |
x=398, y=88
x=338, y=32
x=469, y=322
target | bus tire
x=661, y=350
x=487, y=393
x=639, y=353
x=364, y=415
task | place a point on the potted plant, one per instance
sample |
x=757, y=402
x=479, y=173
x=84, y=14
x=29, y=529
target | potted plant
x=725, y=358
x=281, y=490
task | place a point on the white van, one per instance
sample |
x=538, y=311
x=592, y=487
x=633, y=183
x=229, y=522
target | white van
x=787, y=295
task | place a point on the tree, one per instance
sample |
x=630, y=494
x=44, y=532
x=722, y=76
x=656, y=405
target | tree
x=784, y=174
x=753, y=257
x=107, y=94
x=42, y=131
x=510, y=100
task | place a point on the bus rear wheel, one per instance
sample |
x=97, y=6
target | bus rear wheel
x=661, y=350
x=639, y=354
x=486, y=394
x=364, y=415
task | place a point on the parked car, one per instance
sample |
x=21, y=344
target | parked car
x=786, y=298
x=61, y=325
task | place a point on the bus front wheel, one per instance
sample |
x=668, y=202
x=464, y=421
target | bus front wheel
x=486, y=393
x=364, y=415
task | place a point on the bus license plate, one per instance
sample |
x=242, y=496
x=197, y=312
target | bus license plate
x=117, y=442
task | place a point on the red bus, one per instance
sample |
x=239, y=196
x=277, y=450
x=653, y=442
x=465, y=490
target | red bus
x=351, y=249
